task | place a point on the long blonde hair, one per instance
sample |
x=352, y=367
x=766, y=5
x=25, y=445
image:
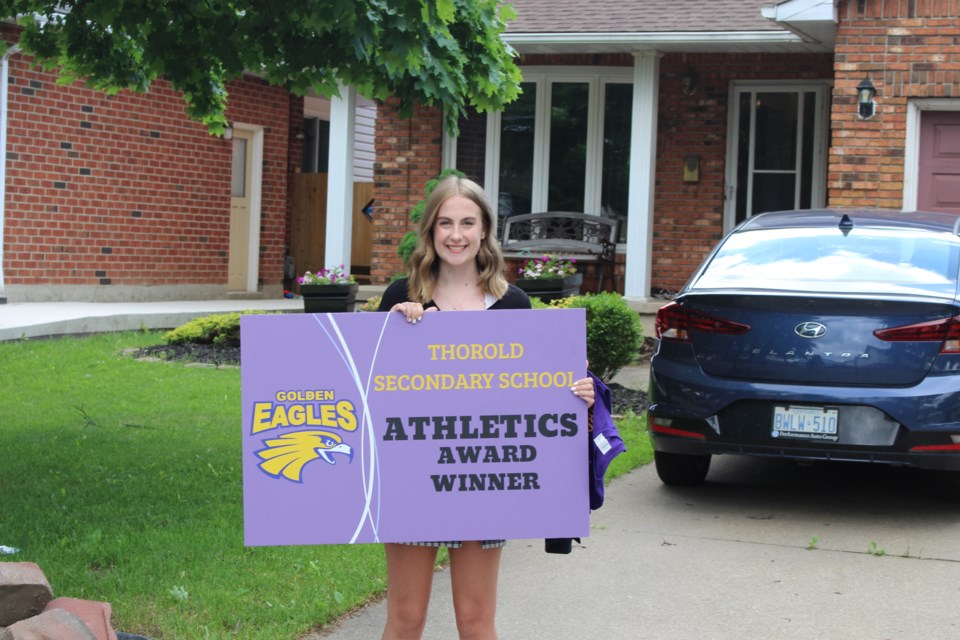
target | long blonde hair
x=424, y=263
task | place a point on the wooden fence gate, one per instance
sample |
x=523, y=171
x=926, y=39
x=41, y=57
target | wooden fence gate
x=308, y=226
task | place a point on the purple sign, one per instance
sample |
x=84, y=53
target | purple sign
x=362, y=427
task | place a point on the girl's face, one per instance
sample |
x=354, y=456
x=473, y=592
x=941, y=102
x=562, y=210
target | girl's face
x=458, y=230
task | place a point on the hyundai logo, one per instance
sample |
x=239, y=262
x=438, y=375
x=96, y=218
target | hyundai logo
x=810, y=330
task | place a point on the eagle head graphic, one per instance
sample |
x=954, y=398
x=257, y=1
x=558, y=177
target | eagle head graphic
x=287, y=454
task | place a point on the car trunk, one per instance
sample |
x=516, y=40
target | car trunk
x=847, y=352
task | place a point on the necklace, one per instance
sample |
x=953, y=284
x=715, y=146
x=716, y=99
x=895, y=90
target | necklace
x=474, y=299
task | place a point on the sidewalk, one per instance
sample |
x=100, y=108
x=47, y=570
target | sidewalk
x=20, y=320
x=39, y=319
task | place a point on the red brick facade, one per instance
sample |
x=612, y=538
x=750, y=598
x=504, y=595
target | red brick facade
x=907, y=50
x=688, y=216
x=408, y=156
x=123, y=192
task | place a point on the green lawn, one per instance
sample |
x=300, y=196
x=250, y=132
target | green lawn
x=122, y=480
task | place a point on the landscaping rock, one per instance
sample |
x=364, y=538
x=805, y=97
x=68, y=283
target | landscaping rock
x=54, y=624
x=24, y=591
x=96, y=615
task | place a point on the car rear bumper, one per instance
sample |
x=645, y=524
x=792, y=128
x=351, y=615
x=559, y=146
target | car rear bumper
x=695, y=414
x=686, y=446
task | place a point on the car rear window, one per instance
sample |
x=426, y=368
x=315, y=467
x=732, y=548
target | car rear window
x=866, y=261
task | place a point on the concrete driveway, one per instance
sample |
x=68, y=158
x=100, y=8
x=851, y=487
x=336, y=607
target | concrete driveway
x=764, y=550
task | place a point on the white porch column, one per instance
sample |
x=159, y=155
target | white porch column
x=643, y=153
x=4, y=110
x=448, y=154
x=343, y=116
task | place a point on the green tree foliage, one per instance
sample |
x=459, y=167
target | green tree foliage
x=445, y=53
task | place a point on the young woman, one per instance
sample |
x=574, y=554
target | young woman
x=457, y=266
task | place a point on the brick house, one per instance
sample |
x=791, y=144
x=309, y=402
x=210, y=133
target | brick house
x=683, y=118
x=680, y=119
x=122, y=197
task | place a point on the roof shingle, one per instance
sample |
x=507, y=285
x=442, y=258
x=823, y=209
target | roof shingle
x=639, y=16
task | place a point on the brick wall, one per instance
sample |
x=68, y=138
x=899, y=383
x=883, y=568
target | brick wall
x=408, y=156
x=908, y=49
x=688, y=216
x=125, y=190
x=253, y=101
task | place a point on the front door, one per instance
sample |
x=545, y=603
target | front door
x=239, y=261
x=776, y=151
x=938, y=174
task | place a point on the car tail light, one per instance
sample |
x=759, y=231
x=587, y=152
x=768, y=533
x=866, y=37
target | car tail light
x=946, y=331
x=663, y=425
x=955, y=439
x=937, y=447
x=676, y=322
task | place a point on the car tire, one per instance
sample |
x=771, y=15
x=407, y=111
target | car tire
x=677, y=469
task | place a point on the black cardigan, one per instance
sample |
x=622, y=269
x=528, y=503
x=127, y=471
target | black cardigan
x=397, y=292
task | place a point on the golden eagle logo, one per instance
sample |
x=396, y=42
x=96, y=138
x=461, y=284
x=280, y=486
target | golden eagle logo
x=286, y=455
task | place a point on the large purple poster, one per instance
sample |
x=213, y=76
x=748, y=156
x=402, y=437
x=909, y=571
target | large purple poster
x=361, y=427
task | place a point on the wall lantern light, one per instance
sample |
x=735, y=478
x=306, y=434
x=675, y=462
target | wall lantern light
x=228, y=132
x=865, y=94
x=689, y=83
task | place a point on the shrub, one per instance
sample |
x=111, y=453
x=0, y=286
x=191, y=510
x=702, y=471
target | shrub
x=371, y=304
x=614, y=334
x=221, y=329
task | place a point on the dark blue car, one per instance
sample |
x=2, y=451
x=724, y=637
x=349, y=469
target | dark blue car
x=814, y=335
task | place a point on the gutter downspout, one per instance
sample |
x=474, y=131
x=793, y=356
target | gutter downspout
x=4, y=96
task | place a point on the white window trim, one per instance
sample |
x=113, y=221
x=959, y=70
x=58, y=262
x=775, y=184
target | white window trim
x=821, y=89
x=596, y=78
x=911, y=160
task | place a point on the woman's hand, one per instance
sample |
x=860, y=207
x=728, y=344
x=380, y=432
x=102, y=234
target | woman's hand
x=585, y=390
x=412, y=311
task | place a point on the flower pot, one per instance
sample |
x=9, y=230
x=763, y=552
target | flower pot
x=548, y=289
x=328, y=298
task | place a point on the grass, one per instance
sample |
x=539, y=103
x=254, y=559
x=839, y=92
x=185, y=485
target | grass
x=122, y=480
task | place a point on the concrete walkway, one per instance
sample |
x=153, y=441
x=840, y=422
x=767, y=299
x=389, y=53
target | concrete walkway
x=39, y=319
x=43, y=319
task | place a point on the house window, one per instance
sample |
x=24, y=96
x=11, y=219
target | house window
x=238, y=175
x=569, y=106
x=616, y=153
x=316, y=142
x=564, y=144
x=516, y=154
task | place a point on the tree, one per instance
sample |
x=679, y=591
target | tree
x=445, y=53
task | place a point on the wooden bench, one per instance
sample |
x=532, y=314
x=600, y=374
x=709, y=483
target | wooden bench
x=586, y=238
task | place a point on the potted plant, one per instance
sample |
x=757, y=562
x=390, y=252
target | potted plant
x=550, y=277
x=328, y=290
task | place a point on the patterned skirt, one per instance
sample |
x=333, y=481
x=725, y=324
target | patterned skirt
x=457, y=544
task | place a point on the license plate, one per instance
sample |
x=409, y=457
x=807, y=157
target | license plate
x=809, y=423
